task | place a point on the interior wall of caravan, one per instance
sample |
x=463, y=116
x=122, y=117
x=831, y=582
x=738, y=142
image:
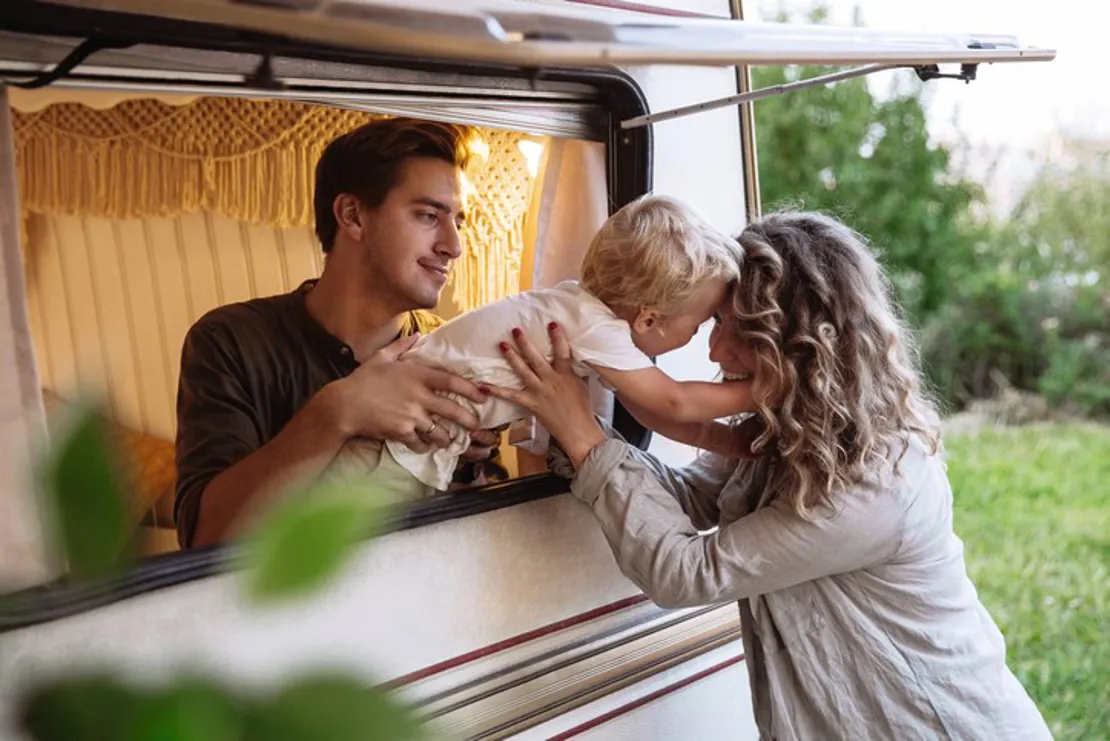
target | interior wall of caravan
x=143, y=212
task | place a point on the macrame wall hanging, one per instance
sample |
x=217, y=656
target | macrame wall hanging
x=252, y=160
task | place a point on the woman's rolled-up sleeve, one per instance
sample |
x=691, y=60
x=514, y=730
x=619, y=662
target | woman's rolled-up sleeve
x=695, y=487
x=658, y=546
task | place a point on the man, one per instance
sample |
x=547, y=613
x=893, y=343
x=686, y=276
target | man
x=271, y=388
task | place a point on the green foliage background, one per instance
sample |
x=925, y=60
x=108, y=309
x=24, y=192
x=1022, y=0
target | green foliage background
x=1024, y=296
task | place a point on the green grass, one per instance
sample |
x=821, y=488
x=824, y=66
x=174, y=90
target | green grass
x=1032, y=505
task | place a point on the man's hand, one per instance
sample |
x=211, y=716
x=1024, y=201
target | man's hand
x=387, y=398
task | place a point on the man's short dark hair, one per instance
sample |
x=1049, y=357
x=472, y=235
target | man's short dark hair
x=365, y=162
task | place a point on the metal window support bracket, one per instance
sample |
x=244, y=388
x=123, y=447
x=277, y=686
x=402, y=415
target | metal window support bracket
x=77, y=56
x=926, y=72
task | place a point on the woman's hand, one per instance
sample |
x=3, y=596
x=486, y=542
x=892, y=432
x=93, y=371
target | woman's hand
x=554, y=393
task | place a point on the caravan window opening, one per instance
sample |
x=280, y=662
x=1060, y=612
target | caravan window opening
x=571, y=104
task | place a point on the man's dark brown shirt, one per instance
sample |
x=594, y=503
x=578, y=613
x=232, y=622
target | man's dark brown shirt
x=246, y=369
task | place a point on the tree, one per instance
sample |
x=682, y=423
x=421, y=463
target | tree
x=839, y=149
x=1061, y=225
x=1035, y=313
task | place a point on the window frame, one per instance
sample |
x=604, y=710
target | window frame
x=628, y=176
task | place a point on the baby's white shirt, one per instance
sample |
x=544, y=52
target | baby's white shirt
x=468, y=345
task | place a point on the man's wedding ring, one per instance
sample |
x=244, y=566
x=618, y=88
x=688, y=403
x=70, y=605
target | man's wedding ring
x=431, y=429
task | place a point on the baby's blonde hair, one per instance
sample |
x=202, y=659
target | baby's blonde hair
x=655, y=253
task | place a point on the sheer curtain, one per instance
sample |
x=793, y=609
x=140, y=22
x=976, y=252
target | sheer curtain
x=569, y=204
x=23, y=557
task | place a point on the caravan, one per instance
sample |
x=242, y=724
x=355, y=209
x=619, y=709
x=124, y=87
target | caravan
x=156, y=160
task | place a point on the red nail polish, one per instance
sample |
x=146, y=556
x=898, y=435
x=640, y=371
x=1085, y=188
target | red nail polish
x=516, y=332
x=504, y=346
x=552, y=325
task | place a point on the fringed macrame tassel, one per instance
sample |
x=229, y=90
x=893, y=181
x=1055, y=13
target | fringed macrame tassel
x=250, y=160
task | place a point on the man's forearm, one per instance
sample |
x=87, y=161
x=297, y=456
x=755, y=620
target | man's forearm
x=298, y=454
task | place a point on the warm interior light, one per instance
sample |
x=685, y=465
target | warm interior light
x=532, y=151
x=478, y=147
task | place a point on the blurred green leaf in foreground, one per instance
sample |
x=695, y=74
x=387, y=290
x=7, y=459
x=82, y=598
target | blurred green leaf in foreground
x=315, y=707
x=295, y=548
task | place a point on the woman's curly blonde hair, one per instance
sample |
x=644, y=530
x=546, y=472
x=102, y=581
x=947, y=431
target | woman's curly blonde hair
x=837, y=382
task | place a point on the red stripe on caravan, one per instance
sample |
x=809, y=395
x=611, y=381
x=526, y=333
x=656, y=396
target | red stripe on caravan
x=650, y=697
x=644, y=8
x=516, y=640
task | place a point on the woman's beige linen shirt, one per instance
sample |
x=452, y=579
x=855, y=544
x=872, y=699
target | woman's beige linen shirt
x=858, y=625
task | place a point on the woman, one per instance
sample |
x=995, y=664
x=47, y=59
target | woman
x=835, y=536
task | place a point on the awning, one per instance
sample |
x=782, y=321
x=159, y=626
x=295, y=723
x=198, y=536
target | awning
x=538, y=34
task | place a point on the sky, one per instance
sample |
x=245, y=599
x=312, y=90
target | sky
x=1013, y=112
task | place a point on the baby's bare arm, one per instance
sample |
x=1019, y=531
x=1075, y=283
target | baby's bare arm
x=672, y=401
x=716, y=437
x=729, y=440
x=688, y=433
